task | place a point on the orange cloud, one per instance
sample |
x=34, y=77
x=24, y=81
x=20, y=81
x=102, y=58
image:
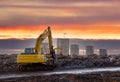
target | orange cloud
x=91, y=31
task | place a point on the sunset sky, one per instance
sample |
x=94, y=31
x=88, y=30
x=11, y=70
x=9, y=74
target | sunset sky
x=93, y=22
x=83, y=19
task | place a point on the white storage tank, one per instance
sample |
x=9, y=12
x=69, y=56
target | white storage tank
x=64, y=44
x=103, y=52
x=89, y=50
x=74, y=49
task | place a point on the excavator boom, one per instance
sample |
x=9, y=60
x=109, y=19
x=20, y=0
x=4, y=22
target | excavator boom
x=46, y=33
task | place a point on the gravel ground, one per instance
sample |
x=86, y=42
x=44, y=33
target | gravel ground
x=93, y=77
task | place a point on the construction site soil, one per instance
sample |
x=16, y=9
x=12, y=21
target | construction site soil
x=90, y=77
x=8, y=65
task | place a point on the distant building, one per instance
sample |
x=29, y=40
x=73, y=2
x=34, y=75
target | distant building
x=64, y=44
x=89, y=50
x=74, y=49
x=103, y=52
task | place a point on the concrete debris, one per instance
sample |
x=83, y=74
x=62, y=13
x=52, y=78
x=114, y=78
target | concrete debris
x=87, y=62
x=8, y=63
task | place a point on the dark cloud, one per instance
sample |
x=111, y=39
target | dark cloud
x=56, y=1
x=16, y=43
x=17, y=13
x=110, y=45
x=71, y=1
x=23, y=20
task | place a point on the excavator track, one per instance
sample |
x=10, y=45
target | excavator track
x=35, y=67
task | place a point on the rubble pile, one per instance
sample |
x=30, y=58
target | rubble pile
x=88, y=62
x=8, y=62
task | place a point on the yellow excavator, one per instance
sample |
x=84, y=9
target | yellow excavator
x=34, y=59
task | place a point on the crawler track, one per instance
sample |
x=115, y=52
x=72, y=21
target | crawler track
x=35, y=67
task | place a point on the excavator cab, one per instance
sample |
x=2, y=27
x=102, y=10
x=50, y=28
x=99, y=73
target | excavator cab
x=29, y=51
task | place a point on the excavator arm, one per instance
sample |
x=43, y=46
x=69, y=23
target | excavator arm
x=43, y=36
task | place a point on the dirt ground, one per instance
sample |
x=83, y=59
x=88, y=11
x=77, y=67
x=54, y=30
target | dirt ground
x=93, y=77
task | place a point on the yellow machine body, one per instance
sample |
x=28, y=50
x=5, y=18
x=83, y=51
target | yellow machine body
x=31, y=58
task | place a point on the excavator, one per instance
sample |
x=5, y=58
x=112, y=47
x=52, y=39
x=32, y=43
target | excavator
x=34, y=59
